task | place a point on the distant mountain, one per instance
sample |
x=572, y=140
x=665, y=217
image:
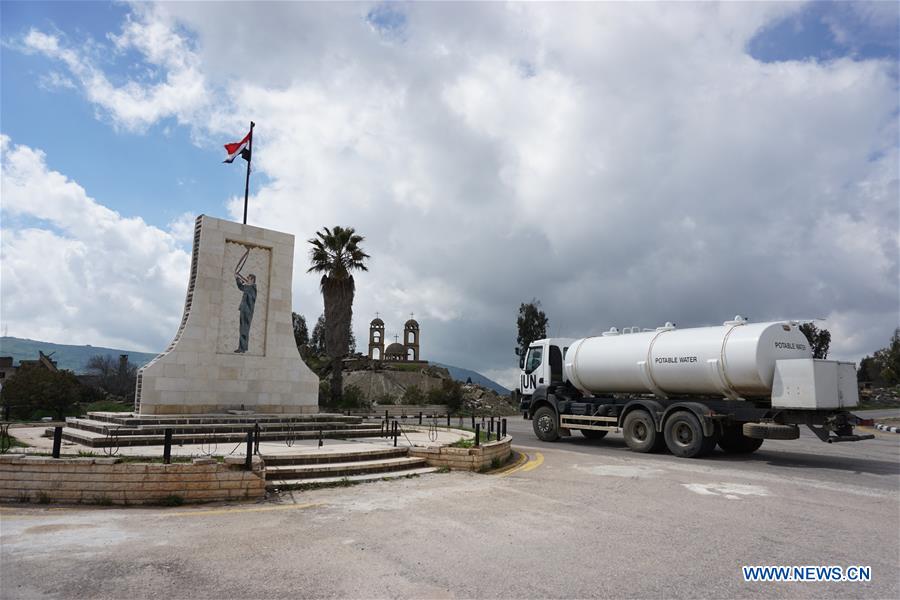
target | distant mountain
x=460, y=374
x=74, y=358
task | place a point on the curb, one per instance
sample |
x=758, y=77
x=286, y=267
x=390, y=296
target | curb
x=890, y=428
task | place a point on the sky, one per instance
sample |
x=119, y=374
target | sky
x=623, y=163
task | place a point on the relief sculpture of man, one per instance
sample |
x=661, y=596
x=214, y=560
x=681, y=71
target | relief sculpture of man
x=247, y=285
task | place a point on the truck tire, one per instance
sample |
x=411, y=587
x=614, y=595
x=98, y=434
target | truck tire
x=593, y=434
x=546, y=424
x=684, y=436
x=735, y=442
x=771, y=431
x=640, y=433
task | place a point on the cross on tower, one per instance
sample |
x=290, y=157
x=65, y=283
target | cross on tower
x=396, y=338
x=377, y=314
x=411, y=315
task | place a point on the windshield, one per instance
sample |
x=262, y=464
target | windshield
x=535, y=355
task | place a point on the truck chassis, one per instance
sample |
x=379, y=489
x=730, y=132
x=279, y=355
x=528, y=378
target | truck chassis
x=689, y=426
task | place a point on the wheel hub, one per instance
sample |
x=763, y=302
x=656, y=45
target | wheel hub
x=639, y=431
x=683, y=434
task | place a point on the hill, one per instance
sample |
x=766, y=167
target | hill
x=74, y=358
x=461, y=374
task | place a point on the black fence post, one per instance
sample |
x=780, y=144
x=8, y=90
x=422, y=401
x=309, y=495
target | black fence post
x=386, y=417
x=248, y=461
x=257, y=434
x=57, y=441
x=167, y=446
x=504, y=427
x=321, y=443
x=420, y=417
x=492, y=424
x=498, y=431
x=477, y=435
x=473, y=418
x=396, y=427
x=448, y=418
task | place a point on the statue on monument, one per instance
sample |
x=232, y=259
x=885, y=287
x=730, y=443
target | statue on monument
x=247, y=285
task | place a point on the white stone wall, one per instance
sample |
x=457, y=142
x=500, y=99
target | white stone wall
x=200, y=373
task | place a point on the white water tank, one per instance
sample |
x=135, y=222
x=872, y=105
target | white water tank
x=735, y=360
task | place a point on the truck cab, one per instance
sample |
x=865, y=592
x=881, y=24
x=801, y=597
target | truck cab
x=541, y=365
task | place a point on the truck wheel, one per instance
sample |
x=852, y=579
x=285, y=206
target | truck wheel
x=771, y=431
x=684, y=436
x=735, y=442
x=593, y=434
x=640, y=432
x=545, y=424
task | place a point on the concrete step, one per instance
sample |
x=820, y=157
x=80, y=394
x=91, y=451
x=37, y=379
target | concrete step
x=342, y=469
x=291, y=484
x=205, y=428
x=97, y=440
x=132, y=420
x=320, y=457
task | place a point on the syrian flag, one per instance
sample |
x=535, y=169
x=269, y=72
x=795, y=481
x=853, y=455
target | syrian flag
x=241, y=148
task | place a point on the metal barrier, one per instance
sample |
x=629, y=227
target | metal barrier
x=5, y=440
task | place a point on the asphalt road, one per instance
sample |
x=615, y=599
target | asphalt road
x=579, y=519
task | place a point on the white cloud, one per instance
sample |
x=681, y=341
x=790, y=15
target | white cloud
x=625, y=163
x=135, y=105
x=182, y=228
x=75, y=271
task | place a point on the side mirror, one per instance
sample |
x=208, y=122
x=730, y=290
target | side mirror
x=521, y=361
x=518, y=351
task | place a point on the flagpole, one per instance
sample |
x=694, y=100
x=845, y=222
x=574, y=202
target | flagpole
x=247, y=182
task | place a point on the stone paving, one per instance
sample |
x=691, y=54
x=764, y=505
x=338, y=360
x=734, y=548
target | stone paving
x=33, y=436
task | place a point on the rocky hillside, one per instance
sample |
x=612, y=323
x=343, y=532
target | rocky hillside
x=388, y=385
x=376, y=385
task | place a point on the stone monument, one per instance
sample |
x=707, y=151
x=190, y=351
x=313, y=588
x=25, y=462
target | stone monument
x=235, y=348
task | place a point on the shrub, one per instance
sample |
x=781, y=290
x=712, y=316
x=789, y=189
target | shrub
x=352, y=398
x=413, y=395
x=35, y=388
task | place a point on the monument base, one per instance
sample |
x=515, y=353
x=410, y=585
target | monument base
x=107, y=429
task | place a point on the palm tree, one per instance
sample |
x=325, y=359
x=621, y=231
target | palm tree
x=336, y=254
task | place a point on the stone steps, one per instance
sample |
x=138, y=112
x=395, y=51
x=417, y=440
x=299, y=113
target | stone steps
x=291, y=484
x=341, y=469
x=98, y=440
x=131, y=420
x=284, y=472
x=206, y=428
x=323, y=457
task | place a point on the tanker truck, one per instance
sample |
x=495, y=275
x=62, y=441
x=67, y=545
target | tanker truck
x=690, y=389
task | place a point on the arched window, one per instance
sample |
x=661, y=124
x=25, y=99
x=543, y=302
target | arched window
x=410, y=337
x=376, y=353
x=376, y=336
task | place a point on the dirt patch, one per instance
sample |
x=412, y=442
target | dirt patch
x=55, y=528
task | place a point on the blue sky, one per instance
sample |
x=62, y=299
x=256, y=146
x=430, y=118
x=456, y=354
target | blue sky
x=157, y=174
x=625, y=147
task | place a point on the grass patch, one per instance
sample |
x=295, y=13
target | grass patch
x=43, y=498
x=443, y=469
x=329, y=484
x=9, y=441
x=470, y=442
x=107, y=406
x=880, y=406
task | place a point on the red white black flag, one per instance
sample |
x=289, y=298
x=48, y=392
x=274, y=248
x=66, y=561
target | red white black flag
x=241, y=148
